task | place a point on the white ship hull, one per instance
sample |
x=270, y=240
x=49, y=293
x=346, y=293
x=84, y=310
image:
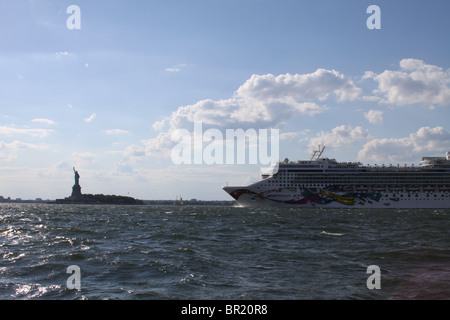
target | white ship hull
x=326, y=183
x=419, y=200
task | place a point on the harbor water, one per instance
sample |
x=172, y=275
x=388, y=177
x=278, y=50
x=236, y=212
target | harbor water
x=220, y=252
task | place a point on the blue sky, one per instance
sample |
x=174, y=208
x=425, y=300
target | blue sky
x=106, y=98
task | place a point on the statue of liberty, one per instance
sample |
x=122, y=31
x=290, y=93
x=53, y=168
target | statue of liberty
x=76, y=189
x=77, y=177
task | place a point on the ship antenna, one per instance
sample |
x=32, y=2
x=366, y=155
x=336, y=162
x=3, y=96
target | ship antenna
x=318, y=153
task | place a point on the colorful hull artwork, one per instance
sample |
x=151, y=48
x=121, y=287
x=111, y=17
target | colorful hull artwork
x=307, y=198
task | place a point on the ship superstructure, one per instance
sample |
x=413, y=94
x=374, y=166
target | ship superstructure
x=327, y=183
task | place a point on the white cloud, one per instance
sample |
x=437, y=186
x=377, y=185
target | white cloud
x=268, y=100
x=339, y=136
x=123, y=167
x=374, y=116
x=40, y=133
x=263, y=101
x=159, y=125
x=369, y=75
x=425, y=142
x=135, y=152
x=173, y=69
x=177, y=68
x=415, y=83
x=159, y=147
x=84, y=158
x=91, y=117
x=44, y=121
x=288, y=135
x=241, y=112
x=7, y=157
x=319, y=85
x=116, y=132
x=63, y=53
x=63, y=165
x=8, y=151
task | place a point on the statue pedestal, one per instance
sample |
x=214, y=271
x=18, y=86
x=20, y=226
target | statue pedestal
x=76, y=191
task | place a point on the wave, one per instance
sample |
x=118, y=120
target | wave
x=332, y=234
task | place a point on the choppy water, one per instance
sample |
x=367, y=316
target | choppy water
x=209, y=252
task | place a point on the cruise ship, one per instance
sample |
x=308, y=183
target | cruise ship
x=326, y=183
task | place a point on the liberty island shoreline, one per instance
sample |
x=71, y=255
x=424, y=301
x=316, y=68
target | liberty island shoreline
x=77, y=197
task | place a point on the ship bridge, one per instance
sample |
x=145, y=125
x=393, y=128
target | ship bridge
x=434, y=162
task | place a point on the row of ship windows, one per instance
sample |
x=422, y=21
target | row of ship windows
x=364, y=178
x=442, y=195
x=419, y=174
x=316, y=186
x=363, y=181
x=319, y=183
x=387, y=196
x=428, y=195
x=327, y=183
x=365, y=174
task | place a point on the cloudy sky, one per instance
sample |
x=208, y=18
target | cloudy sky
x=106, y=98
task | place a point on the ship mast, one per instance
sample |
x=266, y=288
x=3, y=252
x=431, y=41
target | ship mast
x=317, y=153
